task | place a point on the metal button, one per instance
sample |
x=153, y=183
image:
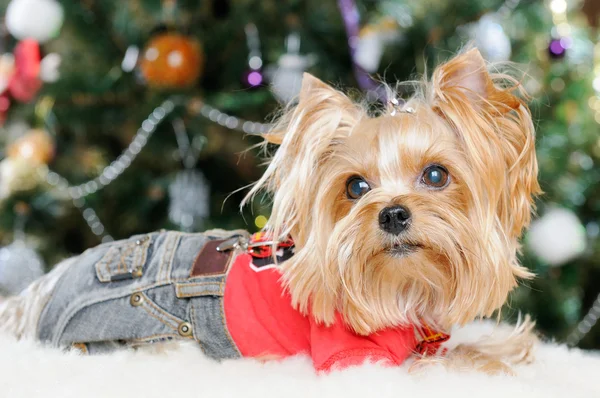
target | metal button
x=136, y=299
x=141, y=240
x=137, y=272
x=185, y=329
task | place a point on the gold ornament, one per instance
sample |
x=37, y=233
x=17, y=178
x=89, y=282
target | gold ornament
x=18, y=175
x=172, y=60
x=36, y=147
x=91, y=160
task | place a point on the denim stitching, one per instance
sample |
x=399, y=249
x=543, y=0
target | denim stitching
x=193, y=316
x=187, y=280
x=168, y=252
x=136, y=257
x=149, y=305
x=155, y=336
x=144, y=250
x=108, y=261
x=196, y=284
x=205, y=275
x=233, y=345
x=127, y=250
x=104, y=262
x=180, y=289
x=167, y=243
x=83, y=302
x=137, y=254
x=173, y=251
x=200, y=293
x=175, y=242
x=153, y=315
x=86, y=301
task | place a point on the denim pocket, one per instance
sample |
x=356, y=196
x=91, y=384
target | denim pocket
x=143, y=301
x=123, y=260
x=143, y=316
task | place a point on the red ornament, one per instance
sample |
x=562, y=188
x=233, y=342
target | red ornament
x=172, y=60
x=25, y=82
x=19, y=75
x=4, y=105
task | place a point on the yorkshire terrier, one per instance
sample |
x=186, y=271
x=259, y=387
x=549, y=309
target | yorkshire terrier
x=386, y=231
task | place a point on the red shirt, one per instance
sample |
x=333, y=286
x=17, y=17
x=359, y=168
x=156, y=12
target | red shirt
x=262, y=323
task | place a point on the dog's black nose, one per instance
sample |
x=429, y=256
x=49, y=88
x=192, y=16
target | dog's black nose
x=394, y=219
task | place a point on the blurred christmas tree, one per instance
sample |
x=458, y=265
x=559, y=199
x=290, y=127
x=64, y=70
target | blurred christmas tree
x=123, y=117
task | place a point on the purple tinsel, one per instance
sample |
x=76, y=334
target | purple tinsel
x=351, y=19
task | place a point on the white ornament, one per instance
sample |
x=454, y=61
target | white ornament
x=369, y=51
x=557, y=237
x=19, y=266
x=491, y=39
x=7, y=70
x=286, y=79
x=189, y=194
x=371, y=44
x=40, y=20
x=130, y=59
x=49, y=68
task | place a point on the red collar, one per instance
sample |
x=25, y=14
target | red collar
x=261, y=245
x=430, y=341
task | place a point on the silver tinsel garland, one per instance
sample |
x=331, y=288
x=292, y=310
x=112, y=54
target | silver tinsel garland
x=189, y=194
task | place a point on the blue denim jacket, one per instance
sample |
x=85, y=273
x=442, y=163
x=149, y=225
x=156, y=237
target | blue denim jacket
x=139, y=291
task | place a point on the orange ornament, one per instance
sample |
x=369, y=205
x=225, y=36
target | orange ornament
x=172, y=60
x=36, y=146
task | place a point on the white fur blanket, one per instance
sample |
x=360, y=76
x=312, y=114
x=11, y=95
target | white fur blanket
x=28, y=370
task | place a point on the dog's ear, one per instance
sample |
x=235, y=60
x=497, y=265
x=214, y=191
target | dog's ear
x=306, y=133
x=466, y=78
x=495, y=128
x=315, y=101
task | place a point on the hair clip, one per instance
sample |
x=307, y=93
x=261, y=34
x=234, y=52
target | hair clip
x=395, y=104
x=397, y=107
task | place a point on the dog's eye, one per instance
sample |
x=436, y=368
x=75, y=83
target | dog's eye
x=356, y=187
x=435, y=176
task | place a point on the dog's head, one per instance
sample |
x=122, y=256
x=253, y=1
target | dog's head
x=405, y=217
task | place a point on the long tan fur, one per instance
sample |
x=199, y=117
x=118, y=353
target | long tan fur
x=470, y=121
